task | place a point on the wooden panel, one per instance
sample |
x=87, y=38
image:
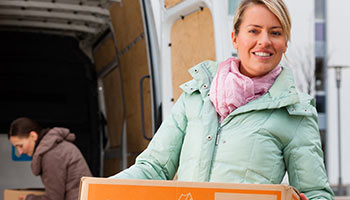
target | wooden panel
x=111, y=167
x=128, y=25
x=134, y=66
x=171, y=3
x=192, y=41
x=127, y=22
x=114, y=120
x=113, y=101
x=104, y=54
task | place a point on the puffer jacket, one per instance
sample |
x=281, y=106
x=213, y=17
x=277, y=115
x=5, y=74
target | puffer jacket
x=256, y=143
x=60, y=165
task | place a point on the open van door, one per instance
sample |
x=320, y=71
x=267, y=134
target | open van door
x=127, y=80
x=87, y=65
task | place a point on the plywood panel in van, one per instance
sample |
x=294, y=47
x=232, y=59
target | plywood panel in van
x=112, y=166
x=104, y=54
x=127, y=22
x=171, y=3
x=114, y=109
x=134, y=65
x=192, y=41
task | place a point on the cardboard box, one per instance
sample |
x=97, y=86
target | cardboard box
x=109, y=189
x=13, y=194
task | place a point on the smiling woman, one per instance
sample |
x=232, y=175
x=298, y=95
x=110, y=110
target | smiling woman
x=242, y=120
x=260, y=41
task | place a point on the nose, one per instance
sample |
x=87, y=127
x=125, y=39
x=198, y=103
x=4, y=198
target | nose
x=264, y=39
x=20, y=151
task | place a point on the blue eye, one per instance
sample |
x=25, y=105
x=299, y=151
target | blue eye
x=253, y=31
x=276, y=33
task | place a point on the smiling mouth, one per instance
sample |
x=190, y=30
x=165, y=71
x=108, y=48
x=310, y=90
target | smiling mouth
x=262, y=54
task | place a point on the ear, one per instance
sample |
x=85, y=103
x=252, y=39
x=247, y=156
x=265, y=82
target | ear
x=234, y=40
x=33, y=135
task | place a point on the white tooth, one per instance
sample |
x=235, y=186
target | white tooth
x=263, y=54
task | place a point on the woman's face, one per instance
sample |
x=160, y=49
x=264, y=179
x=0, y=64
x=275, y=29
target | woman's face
x=260, y=42
x=24, y=145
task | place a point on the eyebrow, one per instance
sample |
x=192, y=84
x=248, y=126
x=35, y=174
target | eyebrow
x=274, y=27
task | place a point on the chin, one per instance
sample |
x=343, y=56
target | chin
x=265, y=70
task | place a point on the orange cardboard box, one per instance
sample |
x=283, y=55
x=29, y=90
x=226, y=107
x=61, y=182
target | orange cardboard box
x=117, y=189
x=13, y=194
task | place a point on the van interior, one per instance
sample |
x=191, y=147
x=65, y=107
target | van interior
x=83, y=65
x=93, y=66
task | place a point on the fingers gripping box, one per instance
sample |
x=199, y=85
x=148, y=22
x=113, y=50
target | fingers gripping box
x=109, y=189
x=14, y=194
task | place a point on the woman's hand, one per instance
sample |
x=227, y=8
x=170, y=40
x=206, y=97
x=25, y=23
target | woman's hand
x=22, y=197
x=302, y=196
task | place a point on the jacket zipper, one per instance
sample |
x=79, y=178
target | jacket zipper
x=217, y=136
x=214, y=151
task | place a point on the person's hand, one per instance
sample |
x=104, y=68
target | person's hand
x=22, y=197
x=302, y=196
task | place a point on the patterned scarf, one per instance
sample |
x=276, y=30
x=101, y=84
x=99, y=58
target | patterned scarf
x=230, y=89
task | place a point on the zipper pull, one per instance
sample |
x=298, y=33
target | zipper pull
x=217, y=136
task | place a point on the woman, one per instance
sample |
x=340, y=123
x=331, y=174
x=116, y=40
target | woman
x=56, y=159
x=242, y=120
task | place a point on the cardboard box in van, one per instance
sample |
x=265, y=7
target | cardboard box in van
x=14, y=194
x=102, y=188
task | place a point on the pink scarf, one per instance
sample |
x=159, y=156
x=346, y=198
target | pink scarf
x=230, y=89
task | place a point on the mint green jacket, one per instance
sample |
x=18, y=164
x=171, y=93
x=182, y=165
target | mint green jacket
x=257, y=143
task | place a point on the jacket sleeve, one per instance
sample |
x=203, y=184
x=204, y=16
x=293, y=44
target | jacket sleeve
x=304, y=161
x=161, y=157
x=53, y=177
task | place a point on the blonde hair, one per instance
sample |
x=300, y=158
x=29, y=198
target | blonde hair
x=277, y=7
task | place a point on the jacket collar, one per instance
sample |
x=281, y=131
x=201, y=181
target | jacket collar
x=284, y=84
x=203, y=75
x=49, y=141
x=281, y=94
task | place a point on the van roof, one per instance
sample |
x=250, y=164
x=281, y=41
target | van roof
x=83, y=19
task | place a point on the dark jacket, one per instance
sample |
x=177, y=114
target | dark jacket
x=60, y=165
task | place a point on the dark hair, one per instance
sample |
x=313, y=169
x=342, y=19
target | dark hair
x=22, y=126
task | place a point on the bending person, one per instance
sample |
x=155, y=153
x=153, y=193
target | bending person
x=56, y=159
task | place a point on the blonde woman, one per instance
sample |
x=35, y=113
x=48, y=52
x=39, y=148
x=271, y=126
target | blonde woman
x=242, y=120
